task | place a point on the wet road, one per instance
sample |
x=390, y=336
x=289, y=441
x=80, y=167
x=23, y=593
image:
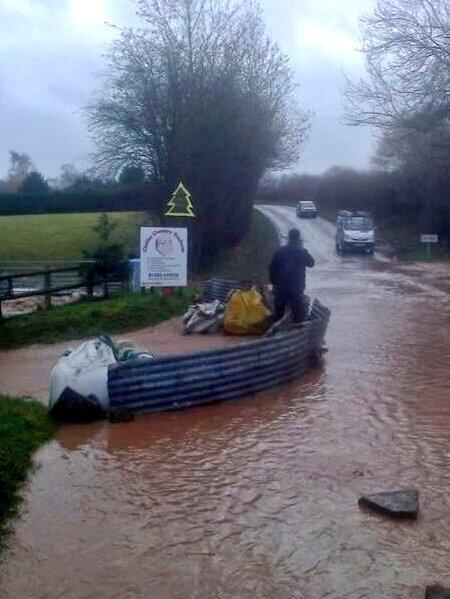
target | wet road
x=257, y=498
x=318, y=233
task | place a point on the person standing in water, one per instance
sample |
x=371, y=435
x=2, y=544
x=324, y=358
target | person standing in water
x=287, y=275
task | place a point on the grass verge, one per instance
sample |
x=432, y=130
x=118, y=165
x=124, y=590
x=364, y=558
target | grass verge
x=87, y=319
x=24, y=426
x=251, y=258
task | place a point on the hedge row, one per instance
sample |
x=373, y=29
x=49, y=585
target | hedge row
x=89, y=200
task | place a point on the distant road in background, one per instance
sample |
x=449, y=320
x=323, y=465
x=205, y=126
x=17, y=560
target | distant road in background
x=317, y=233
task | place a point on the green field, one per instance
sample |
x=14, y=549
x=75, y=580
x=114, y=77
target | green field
x=50, y=237
x=60, y=237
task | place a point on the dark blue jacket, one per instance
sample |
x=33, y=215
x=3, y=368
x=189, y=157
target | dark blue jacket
x=287, y=269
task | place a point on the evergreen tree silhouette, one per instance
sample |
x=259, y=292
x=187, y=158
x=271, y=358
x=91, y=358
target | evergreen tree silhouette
x=180, y=204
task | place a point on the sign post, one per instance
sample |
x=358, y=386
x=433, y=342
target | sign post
x=180, y=212
x=429, y=239
x=164, y=257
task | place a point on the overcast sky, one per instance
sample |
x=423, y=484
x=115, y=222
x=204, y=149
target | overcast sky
x=51, y=55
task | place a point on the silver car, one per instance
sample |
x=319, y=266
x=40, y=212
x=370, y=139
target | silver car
x=306, y=209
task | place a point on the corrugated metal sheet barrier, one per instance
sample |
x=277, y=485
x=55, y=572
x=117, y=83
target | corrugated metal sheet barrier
x=220, y=288
x=181, y=381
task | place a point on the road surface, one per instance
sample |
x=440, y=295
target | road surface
x=319, y=238
x=258, y=498
x=317, y=233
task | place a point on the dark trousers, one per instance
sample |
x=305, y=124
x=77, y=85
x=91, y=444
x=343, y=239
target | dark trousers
x=288, y=298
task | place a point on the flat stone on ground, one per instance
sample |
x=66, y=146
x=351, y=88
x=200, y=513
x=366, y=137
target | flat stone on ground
x=437, y=592
x=394, y=503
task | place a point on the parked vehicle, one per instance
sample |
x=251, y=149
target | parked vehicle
x=355, y=231
x=306, y=209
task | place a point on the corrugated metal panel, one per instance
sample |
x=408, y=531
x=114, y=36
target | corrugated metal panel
x=220, y=288
x=181, y=381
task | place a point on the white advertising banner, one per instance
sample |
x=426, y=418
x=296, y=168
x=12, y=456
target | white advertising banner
x=163, y=257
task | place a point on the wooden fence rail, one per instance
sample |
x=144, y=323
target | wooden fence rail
x=86, y=281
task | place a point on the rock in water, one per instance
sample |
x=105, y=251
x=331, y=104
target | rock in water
x=437, y=592
x=395, y=503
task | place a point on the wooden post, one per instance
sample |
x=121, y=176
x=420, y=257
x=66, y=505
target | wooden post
x=126, y=281
x=90, y=284
x=47, y=289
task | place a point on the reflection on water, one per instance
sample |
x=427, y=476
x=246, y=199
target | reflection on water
x=258, y=497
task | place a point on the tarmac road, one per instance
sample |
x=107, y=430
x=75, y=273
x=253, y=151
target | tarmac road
x=332, y=274
x=339, y=273
x=317, y=234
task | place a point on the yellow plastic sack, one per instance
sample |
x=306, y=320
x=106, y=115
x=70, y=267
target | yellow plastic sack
x=246, y=314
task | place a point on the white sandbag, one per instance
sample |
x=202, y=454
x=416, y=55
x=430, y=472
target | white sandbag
x=85, y=370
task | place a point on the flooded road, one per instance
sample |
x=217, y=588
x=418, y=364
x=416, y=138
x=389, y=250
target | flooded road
x=257, y=498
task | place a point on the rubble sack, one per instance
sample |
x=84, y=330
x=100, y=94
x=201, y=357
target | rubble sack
x=204, y=318
x=246, y=313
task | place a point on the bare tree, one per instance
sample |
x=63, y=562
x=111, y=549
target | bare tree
x=20, y=167
x=68, y=175
x=418, y=152
x=420, y=143
x=199, y=93
x=406, y=45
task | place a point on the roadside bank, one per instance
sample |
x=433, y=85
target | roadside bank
x=121, y=313
x=24, y=427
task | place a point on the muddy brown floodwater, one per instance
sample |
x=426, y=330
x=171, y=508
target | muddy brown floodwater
x=257, y=498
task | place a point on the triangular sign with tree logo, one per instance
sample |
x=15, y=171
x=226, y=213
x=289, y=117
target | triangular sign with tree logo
x=180, y=204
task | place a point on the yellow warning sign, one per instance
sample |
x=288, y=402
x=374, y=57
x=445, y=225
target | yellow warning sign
x=180, y=204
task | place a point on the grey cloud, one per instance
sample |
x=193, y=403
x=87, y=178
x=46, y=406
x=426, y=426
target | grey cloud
x=48, y=68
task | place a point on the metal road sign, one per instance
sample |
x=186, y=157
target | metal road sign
x=432, y=238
